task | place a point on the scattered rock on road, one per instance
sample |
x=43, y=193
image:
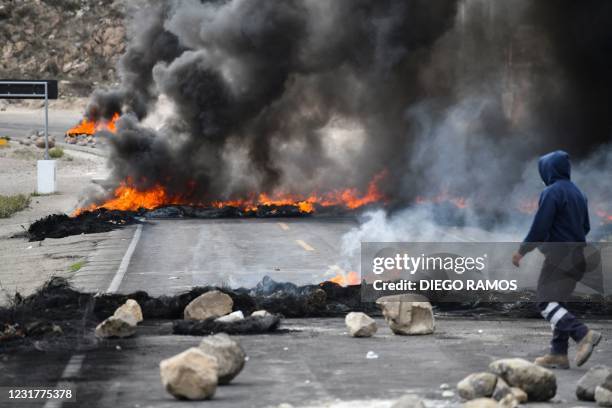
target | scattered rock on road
x=261, y=313
x=539, y=383
x=603, y=393
x=130, y=309
x=229, y=354
x=508, y=402
x=481, y=403
x=232, y=317
x=40, y=142
x=501, y=389
x=210, y=304
x=407, y=314
x=585, y=389
x=360, y=324
x=191, y=374
x=477, y=385
x=116, y=327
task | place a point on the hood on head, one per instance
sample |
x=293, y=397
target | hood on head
x=554, y=166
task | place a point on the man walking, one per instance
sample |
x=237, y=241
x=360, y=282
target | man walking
x=559, y=230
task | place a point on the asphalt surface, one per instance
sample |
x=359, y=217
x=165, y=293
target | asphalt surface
x=17, y=123
x=313, y=363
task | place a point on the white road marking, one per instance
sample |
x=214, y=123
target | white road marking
x=304, y=245
x=283, y=226
x=71, y=370
x=125, y=262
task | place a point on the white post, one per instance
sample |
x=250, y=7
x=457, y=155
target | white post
x=47, y=178
x=46, y=169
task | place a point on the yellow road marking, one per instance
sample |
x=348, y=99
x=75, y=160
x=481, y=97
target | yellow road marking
x=283, y=226
x=304, y=245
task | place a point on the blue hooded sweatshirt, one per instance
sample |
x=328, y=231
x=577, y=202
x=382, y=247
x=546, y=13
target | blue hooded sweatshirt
x=563, y=214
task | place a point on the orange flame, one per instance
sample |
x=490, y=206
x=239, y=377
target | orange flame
x=351, y=278
x=88, y=127
x=127, y=197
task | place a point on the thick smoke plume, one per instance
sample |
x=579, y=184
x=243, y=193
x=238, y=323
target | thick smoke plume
x=454, y=99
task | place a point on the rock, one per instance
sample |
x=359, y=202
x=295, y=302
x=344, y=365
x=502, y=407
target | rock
x=501, y=389
x=448, y=394
x=360, y=324
x=409, y=401
x=603, y=392
x=229, y=354
x=40, y=142
x=232, y=317
x=477, y=385
x=520, y=395
x=481, y=403
x=508, y=402
x=116, y=327
x=130, y=309
x=585, y=389
x=406, y=316
x=261, y=313
x=210, y=304
x=539, y=383
x=191, y=374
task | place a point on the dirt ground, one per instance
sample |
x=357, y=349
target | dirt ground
x=24, y=265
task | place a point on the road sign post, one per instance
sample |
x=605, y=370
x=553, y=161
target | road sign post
x=43, y=89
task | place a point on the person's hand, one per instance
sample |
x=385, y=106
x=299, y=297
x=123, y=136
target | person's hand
x=516, y=259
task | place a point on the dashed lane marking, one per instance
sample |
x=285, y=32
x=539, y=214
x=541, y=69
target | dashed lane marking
x=283, y=226
x=71, y=371
x=304, y=245
x=125, y=262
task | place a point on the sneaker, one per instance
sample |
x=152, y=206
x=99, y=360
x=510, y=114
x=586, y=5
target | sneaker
x=586, y=346
x=553, y=361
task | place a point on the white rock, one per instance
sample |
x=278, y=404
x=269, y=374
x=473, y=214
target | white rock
x=406, y=316
x=603, y=393
x=360, y=324
x=477, y=385
x=232, y=317
x=130, y=309
x=585, y=389
x=229, y=354
x=210, y=304
x=191, y=374
x=508, y=401
x=539, y=383
x=261, y=313
x=481, y=403
x=116, y=327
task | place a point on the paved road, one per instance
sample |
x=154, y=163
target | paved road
x=171, y=256
x=19, y=122
x=315, y=364
x=312, y=364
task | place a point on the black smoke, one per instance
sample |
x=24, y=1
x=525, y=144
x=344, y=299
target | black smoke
x=307, y=95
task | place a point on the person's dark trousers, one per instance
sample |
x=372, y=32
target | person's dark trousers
x=564, y=324
x=558, y=278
